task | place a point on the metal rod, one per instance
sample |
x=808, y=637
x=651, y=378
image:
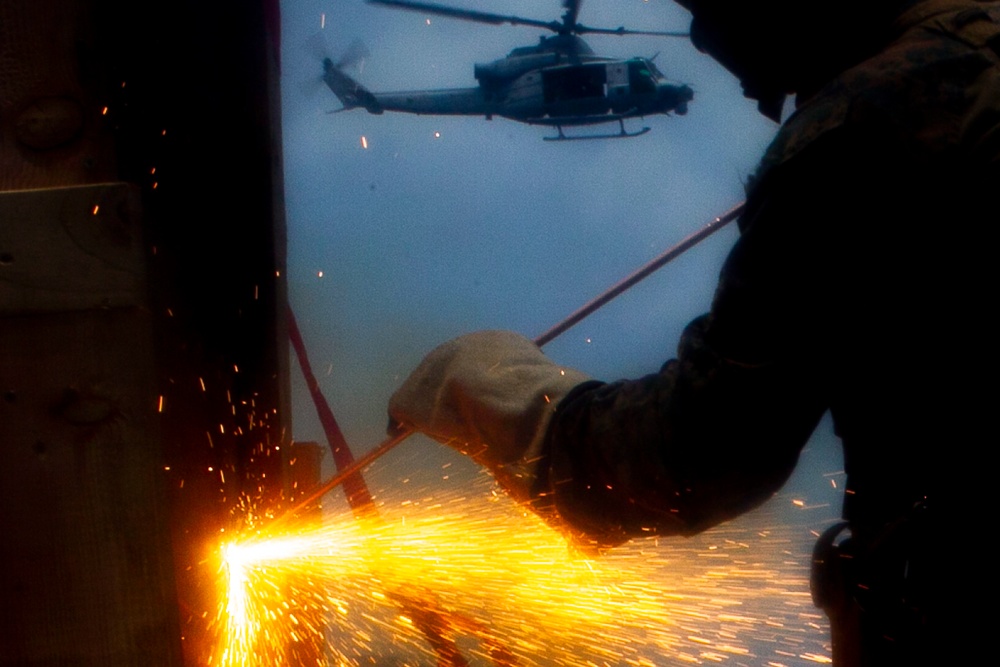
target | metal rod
x=668, y=255
x=391, y=442
x=338, y=479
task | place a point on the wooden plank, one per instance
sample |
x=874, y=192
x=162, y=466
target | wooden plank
x=85, y=565
x=74, y=248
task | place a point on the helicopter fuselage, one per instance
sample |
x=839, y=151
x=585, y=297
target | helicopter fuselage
x=538, y=87
x=583, y=92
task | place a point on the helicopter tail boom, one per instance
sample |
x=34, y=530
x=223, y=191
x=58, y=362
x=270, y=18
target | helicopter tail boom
x=350, y=93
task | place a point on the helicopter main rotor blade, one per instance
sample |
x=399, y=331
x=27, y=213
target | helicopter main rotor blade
x=467, y=14
x=567, y=26
x=582, y=30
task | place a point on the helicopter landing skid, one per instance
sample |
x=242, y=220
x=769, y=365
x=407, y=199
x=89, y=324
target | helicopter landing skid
x=623, y=134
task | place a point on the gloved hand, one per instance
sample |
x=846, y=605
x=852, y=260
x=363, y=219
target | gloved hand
x=490, y=395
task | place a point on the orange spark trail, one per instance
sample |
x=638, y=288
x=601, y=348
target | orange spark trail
x=508, y=591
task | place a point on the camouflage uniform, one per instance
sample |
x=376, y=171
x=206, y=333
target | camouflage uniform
x=858, y=286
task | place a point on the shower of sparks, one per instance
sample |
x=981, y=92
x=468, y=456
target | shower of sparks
x=507, y=590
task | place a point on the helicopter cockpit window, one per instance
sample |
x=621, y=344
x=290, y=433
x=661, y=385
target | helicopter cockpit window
x=640, y=77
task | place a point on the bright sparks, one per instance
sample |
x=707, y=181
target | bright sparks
x=484, y=578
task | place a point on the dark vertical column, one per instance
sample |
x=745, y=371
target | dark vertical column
x=137, y=415
x=85, y=560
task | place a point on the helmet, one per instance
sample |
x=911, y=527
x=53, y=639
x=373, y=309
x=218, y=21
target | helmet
x=778, y=47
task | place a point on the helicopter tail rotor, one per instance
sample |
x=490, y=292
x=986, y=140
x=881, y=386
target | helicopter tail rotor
x=318, y=50
x=355, y=54
x=350, y=93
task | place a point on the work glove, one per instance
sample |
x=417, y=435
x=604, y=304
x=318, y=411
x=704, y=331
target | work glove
x=491, y=396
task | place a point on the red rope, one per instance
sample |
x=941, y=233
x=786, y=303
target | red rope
x=358, y=495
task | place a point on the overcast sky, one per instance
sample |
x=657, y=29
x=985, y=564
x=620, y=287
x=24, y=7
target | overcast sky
x=445, y=225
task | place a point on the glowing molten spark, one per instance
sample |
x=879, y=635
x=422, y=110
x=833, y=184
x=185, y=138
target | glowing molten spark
x=490, y=578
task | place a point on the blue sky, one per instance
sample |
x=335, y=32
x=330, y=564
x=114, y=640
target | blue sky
x=445, y=225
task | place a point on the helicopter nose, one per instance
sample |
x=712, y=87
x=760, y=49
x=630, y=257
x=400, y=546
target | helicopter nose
x=675, y=98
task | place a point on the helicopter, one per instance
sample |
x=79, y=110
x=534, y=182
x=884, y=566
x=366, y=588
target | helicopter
x=559, y=82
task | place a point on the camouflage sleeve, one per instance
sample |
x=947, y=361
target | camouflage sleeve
x=676, y=452
x=719, y=428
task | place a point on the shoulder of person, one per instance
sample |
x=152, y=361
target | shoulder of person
x=915, y=95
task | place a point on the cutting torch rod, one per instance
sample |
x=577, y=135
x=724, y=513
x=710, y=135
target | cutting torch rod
x=391, y=442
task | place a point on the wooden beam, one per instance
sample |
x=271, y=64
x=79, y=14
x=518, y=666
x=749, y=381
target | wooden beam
x=87, y=573
x=169, y=303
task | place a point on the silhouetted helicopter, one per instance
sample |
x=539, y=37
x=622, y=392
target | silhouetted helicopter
x=558, y=82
